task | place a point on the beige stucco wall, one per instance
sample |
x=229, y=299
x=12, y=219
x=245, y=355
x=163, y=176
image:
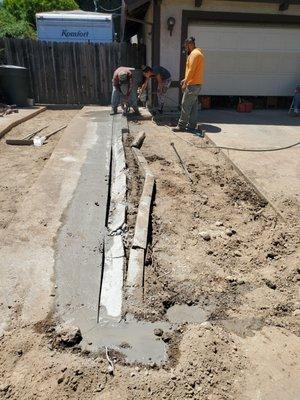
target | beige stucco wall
x=171, y=45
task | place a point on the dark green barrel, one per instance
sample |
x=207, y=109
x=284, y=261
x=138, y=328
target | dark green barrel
x=14, y=84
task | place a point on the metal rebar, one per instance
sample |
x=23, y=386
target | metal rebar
x=182, y=163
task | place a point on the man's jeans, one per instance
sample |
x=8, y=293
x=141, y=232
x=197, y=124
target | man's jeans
x=162, y=92
x=189, y=107
x=117, y=98
x=297, y=103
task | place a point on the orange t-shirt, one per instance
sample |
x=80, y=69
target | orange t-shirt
x=194, y=71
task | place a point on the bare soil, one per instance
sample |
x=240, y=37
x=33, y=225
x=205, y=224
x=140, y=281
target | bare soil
x=21, y=165
x=215, y=244
x=218, y=245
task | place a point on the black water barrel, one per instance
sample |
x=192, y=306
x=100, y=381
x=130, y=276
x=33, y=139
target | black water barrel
x=14, y=84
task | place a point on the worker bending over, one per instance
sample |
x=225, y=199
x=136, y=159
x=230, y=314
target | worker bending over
x=163, y=77
x=191, y=87
x=124, y=92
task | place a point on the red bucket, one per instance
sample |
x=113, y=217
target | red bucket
x=206, y=102
x=245, y=107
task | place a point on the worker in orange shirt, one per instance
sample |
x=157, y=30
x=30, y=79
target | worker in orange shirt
x=191, y=87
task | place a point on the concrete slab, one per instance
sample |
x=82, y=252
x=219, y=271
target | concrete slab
x=27, y=253
x=79, y=248
x=60, y=228
x=275, y=174
x=118, y=186
x=10, y=121
x=112, y=283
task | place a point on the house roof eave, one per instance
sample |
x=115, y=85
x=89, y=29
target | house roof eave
x=131, y=5
x=133, y=14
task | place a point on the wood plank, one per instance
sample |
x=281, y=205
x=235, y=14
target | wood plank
x=30, y=71
x=97, y=73
x=50, y=72
x=69, y=75
x=90, y=73
x=53, y=53
x=78, y=63
x=75, y=72
x=140, y=239
x=44, y=72
x=82, y=66
x=17, y=119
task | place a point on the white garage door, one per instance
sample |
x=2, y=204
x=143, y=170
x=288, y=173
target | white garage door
x=249, y=59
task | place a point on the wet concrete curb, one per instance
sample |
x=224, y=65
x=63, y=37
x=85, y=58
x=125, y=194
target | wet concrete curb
x=135, y=273
x=111, y=297
x=118, y=184
x=14, y=120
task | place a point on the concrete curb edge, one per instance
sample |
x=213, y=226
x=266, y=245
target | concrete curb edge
x=113, y=269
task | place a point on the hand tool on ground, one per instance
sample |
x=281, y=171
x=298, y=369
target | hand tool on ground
x=29, y=142
x=182, y=163
x=26, y=140
x=54, y=132
x=31, y=135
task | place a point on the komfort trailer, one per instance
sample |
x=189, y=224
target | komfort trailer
x=75, y=26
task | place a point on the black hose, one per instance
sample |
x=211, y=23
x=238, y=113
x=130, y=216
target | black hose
x=238, y=148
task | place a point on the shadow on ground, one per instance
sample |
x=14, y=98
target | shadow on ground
x=171, y=121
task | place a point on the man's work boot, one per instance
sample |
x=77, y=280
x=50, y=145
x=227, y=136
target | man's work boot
x=114, y=111
x=196, y=131
x=178, y=129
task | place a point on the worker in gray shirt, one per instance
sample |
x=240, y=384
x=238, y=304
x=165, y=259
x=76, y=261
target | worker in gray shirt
x=163, y=77
x=124, y=92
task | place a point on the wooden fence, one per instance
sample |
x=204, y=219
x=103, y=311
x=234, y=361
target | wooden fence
x=70, y=73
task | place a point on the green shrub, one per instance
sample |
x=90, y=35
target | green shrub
x=26, y=9
x=11, y=27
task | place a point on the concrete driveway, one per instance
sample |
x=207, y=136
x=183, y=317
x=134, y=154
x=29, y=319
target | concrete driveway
x=62, y=218
x=275, y=174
